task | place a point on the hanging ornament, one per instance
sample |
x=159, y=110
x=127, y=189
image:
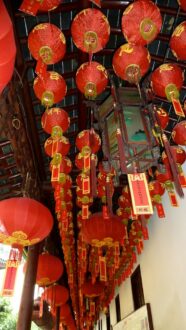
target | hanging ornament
x=179, y=133
x=162, y=117
x=55, y=119
x=92, y=290
x=90, y=30
x=60, y=145
x=156, y=190
x=7, y=46
x=88, y=141
x=131, y=62
x=182, y=4
x=52, y=89
x=178, y=42
x=56, y=295
x=167, y=81
x=47, y=45
x=19, y=221
x=141, y=22
x=31, y=7
x=166, y=178
x=91, y=79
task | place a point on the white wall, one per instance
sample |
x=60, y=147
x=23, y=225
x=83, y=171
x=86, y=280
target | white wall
x=163, y=270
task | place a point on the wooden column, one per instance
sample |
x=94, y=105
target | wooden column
x=25, y=310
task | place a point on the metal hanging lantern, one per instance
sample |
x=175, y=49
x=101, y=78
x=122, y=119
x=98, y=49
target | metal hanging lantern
x=131, y=62
x=91, y=79
x=32, y=7
x=47, y=45
x=90, y=30
x=141, y=22
x=167, y=81
x=178, y=42
x=179, y=133
x=50, y=90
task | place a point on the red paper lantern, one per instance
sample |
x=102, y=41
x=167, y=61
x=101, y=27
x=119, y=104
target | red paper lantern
x=19, y=221
x=65, y=311
x=49, y=269
x=131, y=62
x=65, y=182
x=179, y=133
x=166, y=81
x=32, y=7
x=63, y=195
x=91, y=290
x=100, y=231
x=47, y=45
x=7, y=47
x=90, y=30
x=53, y=146
x=56, y=295
x=88, y=141
x=163, y=117
x=55, y=118
x=91, y=79
x=182, y=4
x=51, y=89
x=156, y=188
x=178, y=42
x=141, y=22
x=164, y=177
x=178, y=154
x=65, y=164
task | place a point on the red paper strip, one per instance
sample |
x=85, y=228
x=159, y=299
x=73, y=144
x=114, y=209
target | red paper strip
x=140, y=195
x=55, y=173
x=86, y=163
x=86, y=185
x=85, y=212
x=160, y=210
x=177, y=107
x=30, y=7
x=54, y=147
x=92, y=308
x=10, y=274
x=173, y=199
x=182, y=180
x=102, y=268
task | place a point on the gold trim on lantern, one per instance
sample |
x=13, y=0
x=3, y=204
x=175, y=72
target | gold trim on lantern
x=126, y=48
x=90, y=40
x=45, y=281
x=178, y=30
x=85, y=151
x=133, y=73
x=56, y=132
x=46, y=54
x=47, y=98
x=128, y=9
x=148, y=29
x=17, y=237
x=107, y=241
x=172, y=92
x=90, y=90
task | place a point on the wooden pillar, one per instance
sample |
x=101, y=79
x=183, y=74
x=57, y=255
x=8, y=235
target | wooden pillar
x=57, y=318
x=25, y=310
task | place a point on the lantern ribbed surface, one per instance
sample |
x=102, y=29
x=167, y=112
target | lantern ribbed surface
x=55, y=117
x=178, y=42
x=179, y=133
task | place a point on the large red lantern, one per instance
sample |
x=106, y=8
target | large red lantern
x=167, y=81
x=90, y=30
x=131, y=62
x=49, y=269
x=52, y=89
x=179, y=133
x=32, y=7
x=88, y=141
x=19, y=221
x=7, y=46
x=60, y=145
x=178, y=42
x=55, y=118
x=141, y=22
x=91, y=290
x=100, y=230
x=91, y=79
x=47, y=45
x=56, y=295
x=182, y=4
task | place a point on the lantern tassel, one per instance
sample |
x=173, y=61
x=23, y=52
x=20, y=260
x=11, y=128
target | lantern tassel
x=173, y=166
x=30, y=7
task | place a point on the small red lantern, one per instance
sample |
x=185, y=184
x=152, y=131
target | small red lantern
x=52, y=89
x=178, y=42
x=164, y=177
x=64, y=162
x=32, y=7
x=131, y=62
x=100, y=230
x=141, y=22
x=91, y=79
x=19, y=221
x=166, y=81
x=60, y=145
x=7, y=46
x=65, y=181
x=178, y=154
x=47, y=45
x=179, y=133
x=163, y=117
x=56, y=295
x=156, y=190
x=182, y=4
x=49, y=269
x=55, y=118
x=91, y=290
x=88, y=141
x=65, y=311
x=90, y=30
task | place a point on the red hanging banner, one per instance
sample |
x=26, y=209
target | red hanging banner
x=140, y=195
x=11, y=272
